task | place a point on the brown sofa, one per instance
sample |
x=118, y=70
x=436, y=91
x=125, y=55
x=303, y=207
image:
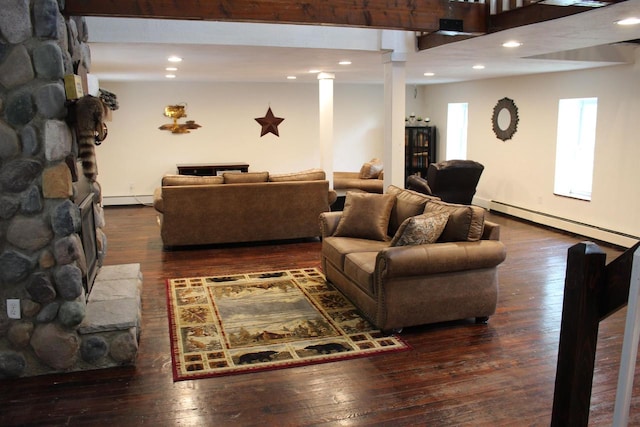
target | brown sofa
x=351, y=181
x=368, y=179
x=241, y=207
x=406, y=280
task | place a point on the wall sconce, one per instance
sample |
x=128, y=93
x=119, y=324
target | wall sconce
x=176, y=112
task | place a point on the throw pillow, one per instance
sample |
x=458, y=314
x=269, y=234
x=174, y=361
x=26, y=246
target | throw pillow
x=168, y=180
x=306, y=175
x=245, y=177
x=420, y=229
x=408, y=204
x=365, y=215
x=371, y=169
x=466, y=222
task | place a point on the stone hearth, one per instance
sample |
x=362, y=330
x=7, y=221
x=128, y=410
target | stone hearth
x=110, y=331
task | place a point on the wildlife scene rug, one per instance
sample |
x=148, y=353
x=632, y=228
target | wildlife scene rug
x=243, y=323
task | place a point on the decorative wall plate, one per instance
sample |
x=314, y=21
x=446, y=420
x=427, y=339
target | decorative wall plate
x=505, y=119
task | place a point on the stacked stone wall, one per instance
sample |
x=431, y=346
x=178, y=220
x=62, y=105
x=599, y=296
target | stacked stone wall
x=41, y=255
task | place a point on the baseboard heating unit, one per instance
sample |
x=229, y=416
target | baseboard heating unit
x=572, y=226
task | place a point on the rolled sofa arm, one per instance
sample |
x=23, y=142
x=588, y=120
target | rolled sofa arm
x=157, y=200
x=329, y=223
x=419, y=260
x=491, y=231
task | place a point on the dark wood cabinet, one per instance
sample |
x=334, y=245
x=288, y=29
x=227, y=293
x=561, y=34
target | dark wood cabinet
x=419, y=149
x=211, y=169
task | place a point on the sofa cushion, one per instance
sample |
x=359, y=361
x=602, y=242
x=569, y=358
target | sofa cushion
x=408, y=203
x=365, y=215
x=465, y=223
x=420, y=229
x=335, y=249
x=371, y=169
x=359, y=268
x=169, y=180
x=306, y=175
x=245, y=177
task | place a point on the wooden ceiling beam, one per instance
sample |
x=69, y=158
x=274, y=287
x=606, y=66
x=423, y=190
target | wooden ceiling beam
x=410, y=15
x=431, y=40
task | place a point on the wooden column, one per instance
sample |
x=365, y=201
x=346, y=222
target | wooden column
x=394, y=109
x=325, y=96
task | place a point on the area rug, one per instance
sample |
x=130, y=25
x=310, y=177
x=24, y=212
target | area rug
x=243, y=323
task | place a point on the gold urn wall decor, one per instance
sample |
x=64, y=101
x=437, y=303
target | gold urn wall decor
x=176, y=112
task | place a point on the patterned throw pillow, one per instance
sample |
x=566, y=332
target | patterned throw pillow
x=466, y=222
x=420, y=229
x=408, y=203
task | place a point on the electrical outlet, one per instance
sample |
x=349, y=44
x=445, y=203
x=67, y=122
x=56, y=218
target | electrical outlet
x=13, y=308
x=131, y=188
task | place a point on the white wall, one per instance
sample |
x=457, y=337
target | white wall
x=520, y=171
x=137, y=153
x=415, y=101
x=358, y=125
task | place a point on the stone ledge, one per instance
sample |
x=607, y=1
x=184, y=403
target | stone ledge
x=107, y=290
x=114, y=303
x=110, y=315
x=120, y=271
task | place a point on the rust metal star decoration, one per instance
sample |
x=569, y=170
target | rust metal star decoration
x=269, y=123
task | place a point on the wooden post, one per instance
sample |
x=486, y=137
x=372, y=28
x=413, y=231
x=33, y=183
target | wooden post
x=584, y=284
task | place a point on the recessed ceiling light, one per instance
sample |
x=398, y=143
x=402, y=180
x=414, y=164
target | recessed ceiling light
x=478, y=67
x=170, y=76
x=291, y=77
x=512, y=43
x=314, y=71
x=629, y=21
x=429, y=74
x=174, y=59
x=171, y=69
x=344, y=62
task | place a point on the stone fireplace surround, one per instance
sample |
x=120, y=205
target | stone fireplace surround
x=42, y=257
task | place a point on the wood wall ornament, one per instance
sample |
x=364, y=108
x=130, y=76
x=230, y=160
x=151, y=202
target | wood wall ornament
x=269, y=123
x=505, y=119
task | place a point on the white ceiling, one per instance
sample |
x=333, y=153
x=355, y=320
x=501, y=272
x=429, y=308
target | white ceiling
x=136, y=50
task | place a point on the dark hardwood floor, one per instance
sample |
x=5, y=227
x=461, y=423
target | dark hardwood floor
x=460, y=373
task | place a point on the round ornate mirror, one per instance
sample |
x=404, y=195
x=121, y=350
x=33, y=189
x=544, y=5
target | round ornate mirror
x=505, y=119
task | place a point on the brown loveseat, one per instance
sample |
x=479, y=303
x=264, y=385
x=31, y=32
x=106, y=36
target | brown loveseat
x=241, y=207
x=406, y=280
